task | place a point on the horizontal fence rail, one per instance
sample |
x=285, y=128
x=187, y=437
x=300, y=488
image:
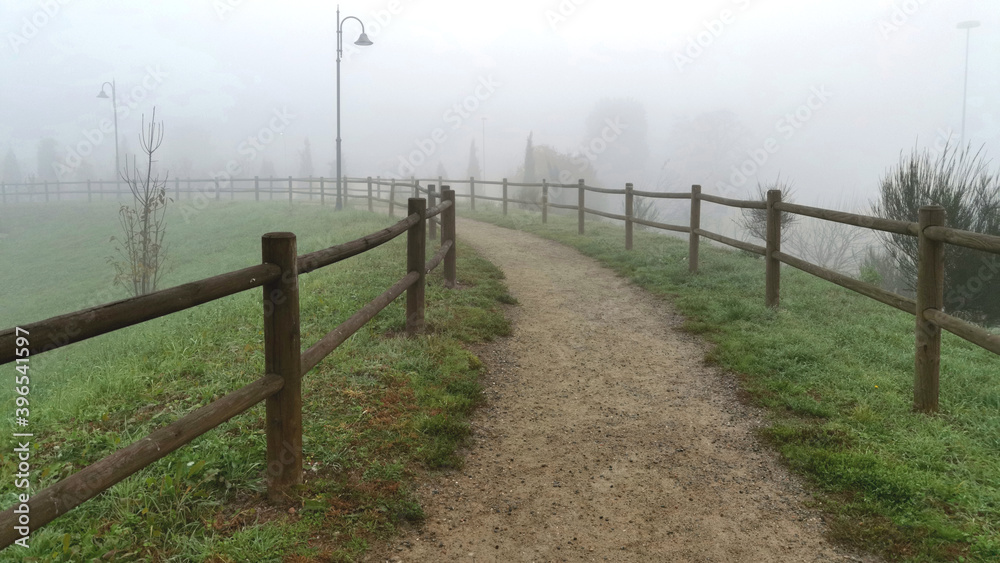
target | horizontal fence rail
x=933, y=236
x=285, y=362
x=928, y=312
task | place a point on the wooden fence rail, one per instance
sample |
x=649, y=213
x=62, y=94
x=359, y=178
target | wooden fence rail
x=285, y=363
x=930, y=230
x=933, y=237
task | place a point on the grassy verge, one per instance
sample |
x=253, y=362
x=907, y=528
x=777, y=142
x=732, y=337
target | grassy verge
x=835, y=371
x=379, y=408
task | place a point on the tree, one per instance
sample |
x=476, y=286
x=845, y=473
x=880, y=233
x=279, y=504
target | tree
x=473, y=171
x=561, y=168
x=11, y=172
x=958, y=180
x=529, y=161
x=616, y=138
x=47, y=159
x=706, y=150
x=140, y=248
x=835, y=246
x=306, y=160
x=441, y=172
x=754, y=221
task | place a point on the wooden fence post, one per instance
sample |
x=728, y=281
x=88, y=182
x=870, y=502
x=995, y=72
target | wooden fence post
x=289, y=189
x=45, y=185
x=416, y=240
x=773, y=266
x=370, y=202
x=416, y=191
x=378, y=187
x=392, y=197
x=232, y=189
x=90, y=196
x=579, y=204
x=693, y=239
x=282, y=350
x=472, y=193
x=629, y=203
x=431, y=202
x=448, y=233
x=504, y=197
x=190, y=193
x=256, y=188
x=930, y=295
x=545, y=202
x=177, y=189
x=270, y=187
x=217, y=190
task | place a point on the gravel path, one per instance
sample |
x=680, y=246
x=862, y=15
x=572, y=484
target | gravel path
x=606, y=437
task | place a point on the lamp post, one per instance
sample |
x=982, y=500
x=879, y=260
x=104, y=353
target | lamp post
x=114, y=107
x=364, y=42
x=967, y=26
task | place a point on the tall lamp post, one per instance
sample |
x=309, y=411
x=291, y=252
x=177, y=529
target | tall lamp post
x=364, y=42
x=114, y=107
x=967, y=26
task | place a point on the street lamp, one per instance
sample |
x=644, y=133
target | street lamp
x=484, y=148
x=364, y=42
x=967, y=26
x=114, y=107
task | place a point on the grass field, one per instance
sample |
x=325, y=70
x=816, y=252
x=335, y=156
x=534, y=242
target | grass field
x=835, y=371
x=378, y=409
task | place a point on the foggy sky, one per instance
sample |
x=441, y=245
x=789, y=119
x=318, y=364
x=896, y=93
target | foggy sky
x=220, y=71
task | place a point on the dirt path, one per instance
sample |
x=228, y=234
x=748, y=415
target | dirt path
x=605, y=437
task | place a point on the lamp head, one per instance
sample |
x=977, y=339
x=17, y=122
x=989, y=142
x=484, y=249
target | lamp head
x=103, y=94
x=363, y=40
x=967, y=24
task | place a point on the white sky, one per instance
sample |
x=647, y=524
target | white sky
x=227, y=65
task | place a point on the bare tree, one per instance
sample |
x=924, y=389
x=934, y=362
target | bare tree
x=829, y=244
x=754, y=221
x=140, y=247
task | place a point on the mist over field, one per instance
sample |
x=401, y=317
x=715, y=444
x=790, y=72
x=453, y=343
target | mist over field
x=722, y=93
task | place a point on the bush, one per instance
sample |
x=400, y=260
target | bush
x=959, y=181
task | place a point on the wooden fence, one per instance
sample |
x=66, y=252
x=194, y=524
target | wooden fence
x=930, y=229
x=285, y=362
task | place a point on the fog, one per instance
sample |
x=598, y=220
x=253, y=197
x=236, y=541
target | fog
x=822, y=94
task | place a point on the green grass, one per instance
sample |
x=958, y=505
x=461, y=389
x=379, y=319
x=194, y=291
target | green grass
x=377, y=409
x=835, y=371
